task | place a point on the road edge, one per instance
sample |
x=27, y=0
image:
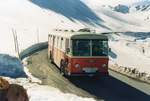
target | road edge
x=131, y=73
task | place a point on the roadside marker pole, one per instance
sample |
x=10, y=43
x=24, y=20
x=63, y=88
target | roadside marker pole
x=15, y=41
x=38, y=40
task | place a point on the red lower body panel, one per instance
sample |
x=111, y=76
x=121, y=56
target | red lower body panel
x=88, y=66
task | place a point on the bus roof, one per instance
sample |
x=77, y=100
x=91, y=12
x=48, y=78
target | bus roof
x=79, y=35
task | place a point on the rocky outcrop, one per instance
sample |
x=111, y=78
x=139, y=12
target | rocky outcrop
x=12, y=92
x=4, y=85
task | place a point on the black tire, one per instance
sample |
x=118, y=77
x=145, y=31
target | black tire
x=95, y=77
x=62, y=68
x=51, y=57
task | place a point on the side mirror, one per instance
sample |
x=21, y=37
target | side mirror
x=67, y=50
x=109, y=49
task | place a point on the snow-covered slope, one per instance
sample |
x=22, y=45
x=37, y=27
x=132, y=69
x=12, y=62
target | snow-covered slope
x=130, y=51
x=141, y=9
x=140, y=6
x=29, y=21
x=11, y=66
x=31, y=18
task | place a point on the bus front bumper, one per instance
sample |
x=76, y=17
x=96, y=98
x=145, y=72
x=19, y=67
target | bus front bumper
x=89, y=74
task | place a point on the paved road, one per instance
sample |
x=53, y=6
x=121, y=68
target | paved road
x=112, y=88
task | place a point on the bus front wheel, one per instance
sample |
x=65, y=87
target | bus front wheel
x=62, y=68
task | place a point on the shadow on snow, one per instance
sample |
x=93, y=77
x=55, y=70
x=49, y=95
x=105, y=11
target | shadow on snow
x=72, y=9
x=11, y=66
x=138, y=35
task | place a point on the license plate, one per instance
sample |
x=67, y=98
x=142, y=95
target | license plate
x=90, y=70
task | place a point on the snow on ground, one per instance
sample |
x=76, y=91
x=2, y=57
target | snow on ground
x=52, y=94
x=111, y=2
x=117, y=21
x=128, y=52
x=35, y=90
x=11, y=66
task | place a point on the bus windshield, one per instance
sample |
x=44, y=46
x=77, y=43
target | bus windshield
x=99, y=48
x=81, y=47
x=90, y=48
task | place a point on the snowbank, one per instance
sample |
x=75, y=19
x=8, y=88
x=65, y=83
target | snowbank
x=11, y=66
x=129, y=57
x=130, y=54
x=35, y=90
x=45, y=93
x=38, y=92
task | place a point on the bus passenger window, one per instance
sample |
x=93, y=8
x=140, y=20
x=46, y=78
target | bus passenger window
x=61, y=43
x=57, y=42
x=67, y=48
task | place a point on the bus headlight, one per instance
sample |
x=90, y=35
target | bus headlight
x=104, y=65
x=77, y=65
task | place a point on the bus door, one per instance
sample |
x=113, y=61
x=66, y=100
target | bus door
x=67, y=50
x=67, y=47
x=53, y=44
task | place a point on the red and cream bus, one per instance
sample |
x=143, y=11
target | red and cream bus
x=79, y=53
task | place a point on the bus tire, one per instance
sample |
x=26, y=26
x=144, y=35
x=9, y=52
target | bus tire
x=61, y=68
x=51, y=57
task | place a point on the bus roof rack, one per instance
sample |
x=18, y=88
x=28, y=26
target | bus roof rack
x=64, y=30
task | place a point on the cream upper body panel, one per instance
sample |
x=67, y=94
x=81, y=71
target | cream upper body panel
x=79, y=35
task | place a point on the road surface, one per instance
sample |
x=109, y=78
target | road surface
x=115, y=87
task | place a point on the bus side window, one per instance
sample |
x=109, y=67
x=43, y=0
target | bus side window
x=49, y=40
x=52, y=40
x=61, y=43
x=67, y=48
x=57, y=42
x=64, y=44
